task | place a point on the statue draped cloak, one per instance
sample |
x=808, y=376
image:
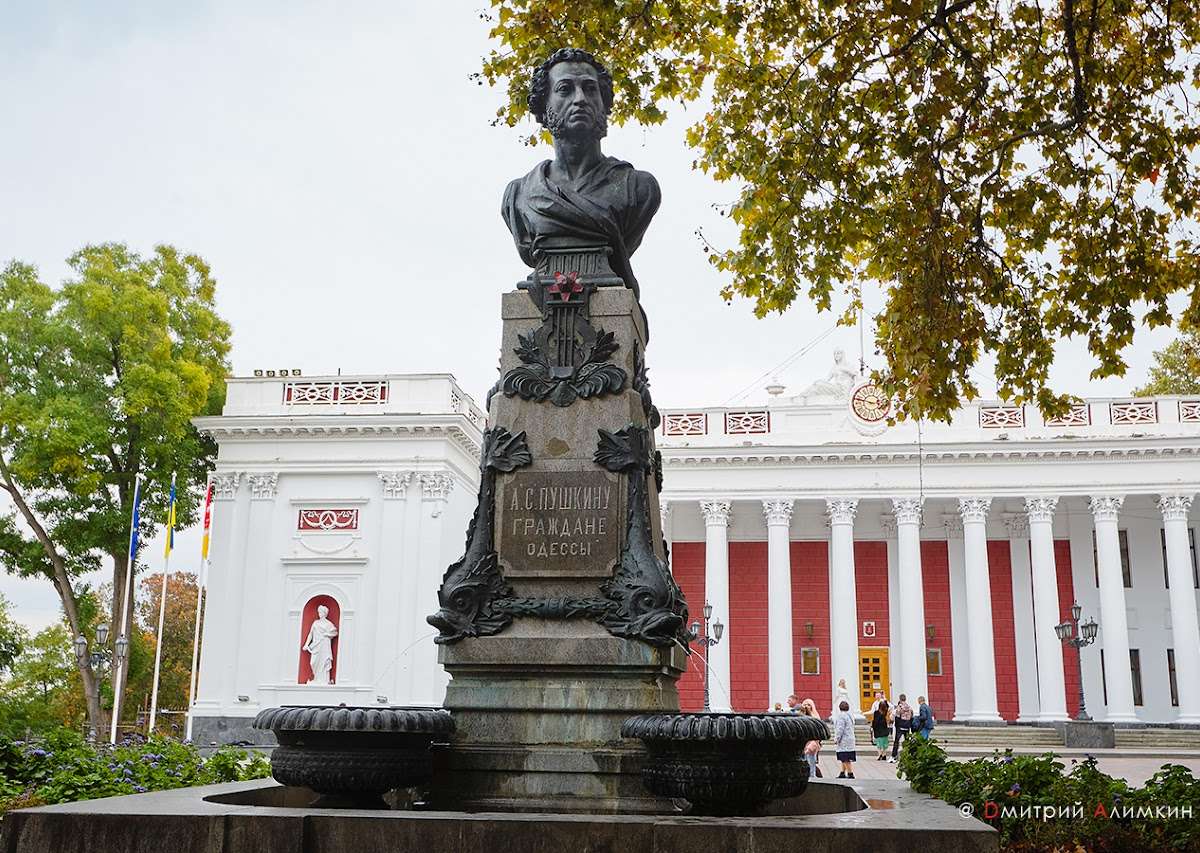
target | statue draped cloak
x=611, y=205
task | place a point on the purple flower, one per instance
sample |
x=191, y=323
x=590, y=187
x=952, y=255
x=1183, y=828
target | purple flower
x=1015, y=789
x=139, y=789
x=40, y=753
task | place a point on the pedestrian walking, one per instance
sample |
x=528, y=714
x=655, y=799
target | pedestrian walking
x=812, y=749
x=924, y=722
x=880, y=725
x=843, y=739
x=902, y=717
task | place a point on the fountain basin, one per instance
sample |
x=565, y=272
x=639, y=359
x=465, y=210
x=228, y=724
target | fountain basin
x=265, y=817
x=725, y=764
x=352, y=756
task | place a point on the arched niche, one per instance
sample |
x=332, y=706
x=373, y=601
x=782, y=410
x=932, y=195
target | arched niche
x=309, y=616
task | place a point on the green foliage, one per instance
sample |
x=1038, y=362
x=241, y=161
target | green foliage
x=13, y=637
x=1000, y=786
x=60, y=767
x=42, y=688
x=1176, y=368
x=1011, y=173
x=101, y=379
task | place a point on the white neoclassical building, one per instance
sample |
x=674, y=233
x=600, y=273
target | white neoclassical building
x=931, y=559
x=350, y=493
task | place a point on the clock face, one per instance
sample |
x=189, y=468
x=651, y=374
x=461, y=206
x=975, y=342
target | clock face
x=869, y=403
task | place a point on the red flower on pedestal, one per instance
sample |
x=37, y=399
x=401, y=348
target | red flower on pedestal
x=565, y=285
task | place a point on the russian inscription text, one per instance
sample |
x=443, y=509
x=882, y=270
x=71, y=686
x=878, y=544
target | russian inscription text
x=561, y=523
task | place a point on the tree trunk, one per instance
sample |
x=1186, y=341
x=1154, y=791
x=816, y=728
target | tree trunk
x=66, y=593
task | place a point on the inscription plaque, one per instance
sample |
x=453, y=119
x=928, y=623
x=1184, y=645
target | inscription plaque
x=559, y=523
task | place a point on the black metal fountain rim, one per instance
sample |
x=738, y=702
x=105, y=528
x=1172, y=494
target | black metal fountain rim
x=715, y=725
x=340, y=718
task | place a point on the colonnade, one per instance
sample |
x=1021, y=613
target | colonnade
x=969, y=567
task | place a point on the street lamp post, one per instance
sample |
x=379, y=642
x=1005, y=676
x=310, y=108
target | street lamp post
x=704, y=636
x=99, y=656
x=1073, y=634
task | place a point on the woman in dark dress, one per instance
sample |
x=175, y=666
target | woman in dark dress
x=879, y=729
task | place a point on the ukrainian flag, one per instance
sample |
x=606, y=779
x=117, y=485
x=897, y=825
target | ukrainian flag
x=170, y=521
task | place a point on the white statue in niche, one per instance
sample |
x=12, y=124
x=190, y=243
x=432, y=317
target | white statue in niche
x=837, y=385
x=319, y=646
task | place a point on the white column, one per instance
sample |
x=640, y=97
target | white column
x=668, y=531
x=778, y=514
x=843, y=600
x=887, y=521
x=1114, y=630
x=428, y=683
x=911, y=597
x=223, y=596
x=981, y=641
x=394, y=591
x=1052, y=685
x=1028, y=706
x=958, y=615
x=716, y=593
x=1185, y=635
x=264, y=489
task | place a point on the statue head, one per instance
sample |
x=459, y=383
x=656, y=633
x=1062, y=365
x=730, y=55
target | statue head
x=839, y=355
x=322, y=611
x=571, y=94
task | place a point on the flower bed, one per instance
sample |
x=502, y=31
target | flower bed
x=1038, y=805
x=59, y=767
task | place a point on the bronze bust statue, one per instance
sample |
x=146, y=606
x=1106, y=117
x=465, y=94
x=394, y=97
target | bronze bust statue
x=581, y=204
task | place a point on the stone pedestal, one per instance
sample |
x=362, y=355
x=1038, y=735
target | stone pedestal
x=1087, y=734
x=562, y=620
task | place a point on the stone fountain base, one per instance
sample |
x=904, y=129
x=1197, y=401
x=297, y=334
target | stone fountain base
x=265, y=817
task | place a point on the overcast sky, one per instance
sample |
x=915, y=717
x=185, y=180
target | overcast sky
x=336, y=167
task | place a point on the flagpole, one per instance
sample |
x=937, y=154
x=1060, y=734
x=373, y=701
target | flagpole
x=119, y=684
x=162, y=608
x=200, y=582
x=193, y=682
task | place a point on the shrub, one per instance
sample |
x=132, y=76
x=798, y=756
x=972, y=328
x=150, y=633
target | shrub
x=60, y=767
x=1089, y=809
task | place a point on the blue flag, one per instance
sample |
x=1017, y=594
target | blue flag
x=133, y=527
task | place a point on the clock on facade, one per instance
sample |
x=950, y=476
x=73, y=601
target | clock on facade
x=869, y=403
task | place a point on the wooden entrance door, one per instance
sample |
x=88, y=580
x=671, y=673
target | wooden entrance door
x=872, y=674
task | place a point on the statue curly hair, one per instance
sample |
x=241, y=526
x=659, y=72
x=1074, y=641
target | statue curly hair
x=539, y=85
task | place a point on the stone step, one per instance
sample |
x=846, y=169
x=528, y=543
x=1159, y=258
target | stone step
x=1159, y=738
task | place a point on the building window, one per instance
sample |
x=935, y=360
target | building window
x=1126, y=572
x=1135, y=671
x=933, y=661
x=1171, y=678
x=810, y=660
x=1162, y=534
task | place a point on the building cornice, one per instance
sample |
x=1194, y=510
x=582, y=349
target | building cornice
x=457, y=428
x=956, y=453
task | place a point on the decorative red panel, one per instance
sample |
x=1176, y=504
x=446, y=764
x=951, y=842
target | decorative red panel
x=748, y=654
x=1003, y=628
x=747, y=423
x=327, y=519
x=871, y=591
x=1066, y=597
x=810, y=604
x=685, y=423
x=335, y=392
x=935, y=583
x=687, y=565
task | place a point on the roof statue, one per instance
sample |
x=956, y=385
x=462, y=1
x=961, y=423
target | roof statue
x=835, y=387
x=588, y=209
